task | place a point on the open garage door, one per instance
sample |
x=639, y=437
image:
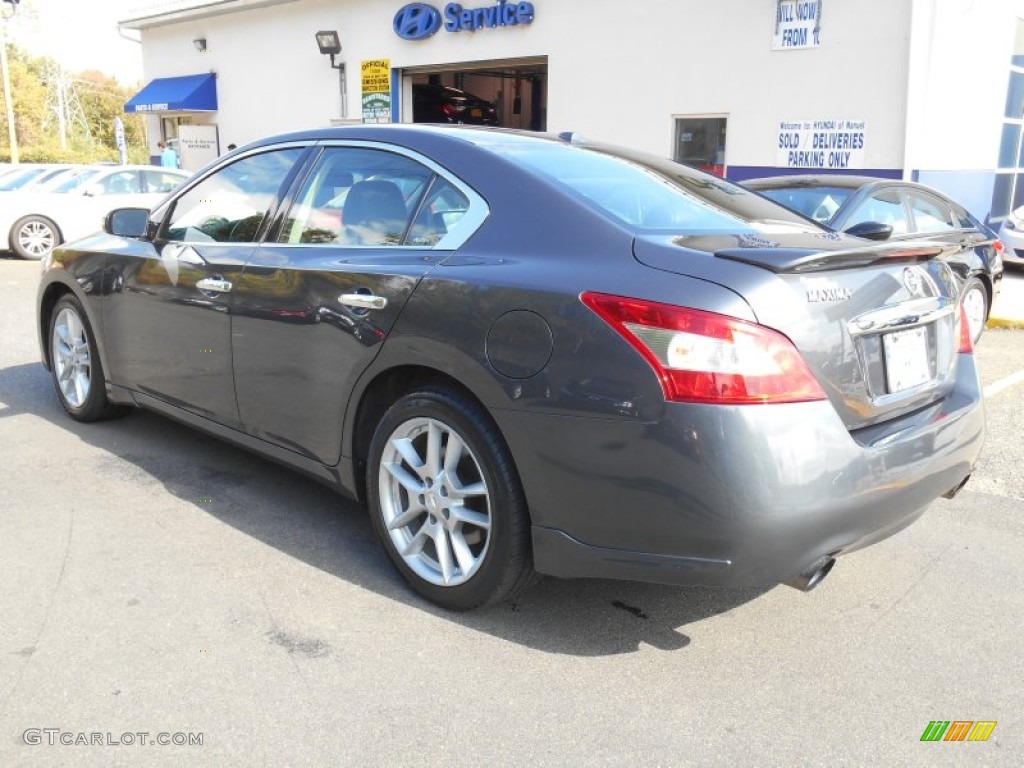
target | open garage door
x=508, y=93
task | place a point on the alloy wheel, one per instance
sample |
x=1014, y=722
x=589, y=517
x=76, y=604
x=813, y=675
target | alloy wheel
x=72, y=361
x=434, y=501
x=37, y=238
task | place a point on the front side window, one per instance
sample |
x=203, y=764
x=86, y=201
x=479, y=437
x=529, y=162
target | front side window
x=230, y=205
x=161, y=181
x=357, y=197
x=120, y=183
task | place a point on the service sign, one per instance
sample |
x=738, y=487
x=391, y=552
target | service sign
x=376, y=81
x=797, y=25
x=831, y=144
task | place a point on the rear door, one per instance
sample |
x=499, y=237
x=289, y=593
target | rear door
x=317, y=300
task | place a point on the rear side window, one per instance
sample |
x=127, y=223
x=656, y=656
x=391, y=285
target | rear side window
x=229, y=206
x=884, y=207
x=363, y=197
x=930, y=214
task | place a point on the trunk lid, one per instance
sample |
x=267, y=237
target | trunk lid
x=877, y=323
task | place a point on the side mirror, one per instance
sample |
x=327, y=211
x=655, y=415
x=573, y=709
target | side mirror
x=92, y=190
x=126, y=222
x=870, y=230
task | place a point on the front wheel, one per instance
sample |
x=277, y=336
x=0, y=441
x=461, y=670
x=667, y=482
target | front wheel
x=75, y=364
x=446, y=501
x=975, y=301
x=34, y=237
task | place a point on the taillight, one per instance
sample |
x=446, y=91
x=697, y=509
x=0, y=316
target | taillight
x=703, y=357
x=998, y=247
x=449, y=110
x=966, y=344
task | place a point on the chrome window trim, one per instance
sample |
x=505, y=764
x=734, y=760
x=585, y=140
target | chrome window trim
x=466, y=227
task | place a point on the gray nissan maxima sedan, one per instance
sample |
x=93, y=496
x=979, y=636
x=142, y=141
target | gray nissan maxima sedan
x=531, y=354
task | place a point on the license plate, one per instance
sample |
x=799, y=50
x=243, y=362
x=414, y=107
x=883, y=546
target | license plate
x=476, y=112
x=906, y=358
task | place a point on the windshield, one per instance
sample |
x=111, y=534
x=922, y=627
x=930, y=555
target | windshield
x=649, y=193
x=18, y=179
x=75, y=181
x=818, y=203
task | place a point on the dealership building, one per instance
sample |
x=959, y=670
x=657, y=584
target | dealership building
x=928, y=90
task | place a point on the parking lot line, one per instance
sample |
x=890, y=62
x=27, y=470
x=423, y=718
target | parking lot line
x=996, y=387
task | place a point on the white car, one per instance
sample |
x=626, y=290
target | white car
x=36, y=222
x=1012, y=235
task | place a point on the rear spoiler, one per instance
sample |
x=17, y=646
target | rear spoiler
x=781, y=260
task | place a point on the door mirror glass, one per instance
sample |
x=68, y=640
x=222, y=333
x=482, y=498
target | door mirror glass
x=127, y=222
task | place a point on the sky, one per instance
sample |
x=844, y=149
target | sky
x=80, y=34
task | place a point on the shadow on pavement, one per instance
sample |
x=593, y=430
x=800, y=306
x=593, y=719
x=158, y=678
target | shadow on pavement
x=307, y=521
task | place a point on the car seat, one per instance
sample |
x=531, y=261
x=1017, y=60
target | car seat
x=375, y=210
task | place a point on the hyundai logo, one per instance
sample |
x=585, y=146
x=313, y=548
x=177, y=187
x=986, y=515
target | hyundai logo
x=417, y=21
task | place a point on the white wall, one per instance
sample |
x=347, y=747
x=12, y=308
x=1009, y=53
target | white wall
x=618, y=71
x=959, y=69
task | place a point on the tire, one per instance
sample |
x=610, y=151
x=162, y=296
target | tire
x=34, y=237
x=458, y=549
x=75, y=365
x=975, y=300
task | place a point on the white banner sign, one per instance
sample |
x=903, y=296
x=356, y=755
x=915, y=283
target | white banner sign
x=197, y=145
x=833, y=144
x=797, y=24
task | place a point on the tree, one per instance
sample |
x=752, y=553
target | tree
x=90, y=99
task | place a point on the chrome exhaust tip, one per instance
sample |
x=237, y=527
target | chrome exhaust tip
x=813, y=575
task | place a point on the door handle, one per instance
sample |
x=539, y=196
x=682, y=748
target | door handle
x=213, y=285
x=363, y=300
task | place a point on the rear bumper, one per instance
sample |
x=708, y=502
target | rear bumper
x=734, y=495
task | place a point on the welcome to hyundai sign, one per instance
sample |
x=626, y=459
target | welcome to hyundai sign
x=418, y=21
x=834, y=144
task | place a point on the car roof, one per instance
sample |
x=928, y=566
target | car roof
x=817, y=180
x=401, y=133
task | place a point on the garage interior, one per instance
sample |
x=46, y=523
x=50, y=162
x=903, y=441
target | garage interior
x=518, y=88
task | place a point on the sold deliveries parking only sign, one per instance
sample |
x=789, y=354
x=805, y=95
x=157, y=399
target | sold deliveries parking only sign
x=832, y=144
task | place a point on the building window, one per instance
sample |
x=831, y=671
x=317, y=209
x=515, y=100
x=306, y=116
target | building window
x=700, y=143
x=1008, y=191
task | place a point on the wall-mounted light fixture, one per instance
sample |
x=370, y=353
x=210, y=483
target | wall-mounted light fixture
x=330, y=45
x=200, y=44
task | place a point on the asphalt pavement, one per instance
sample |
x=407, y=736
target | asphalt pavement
x=159, y=582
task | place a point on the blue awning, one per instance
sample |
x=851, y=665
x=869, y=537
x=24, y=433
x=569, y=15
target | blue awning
x=191, y=93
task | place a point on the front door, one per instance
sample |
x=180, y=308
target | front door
x=168, y=320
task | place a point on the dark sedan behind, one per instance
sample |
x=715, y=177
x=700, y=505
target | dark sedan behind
x=884, y=209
